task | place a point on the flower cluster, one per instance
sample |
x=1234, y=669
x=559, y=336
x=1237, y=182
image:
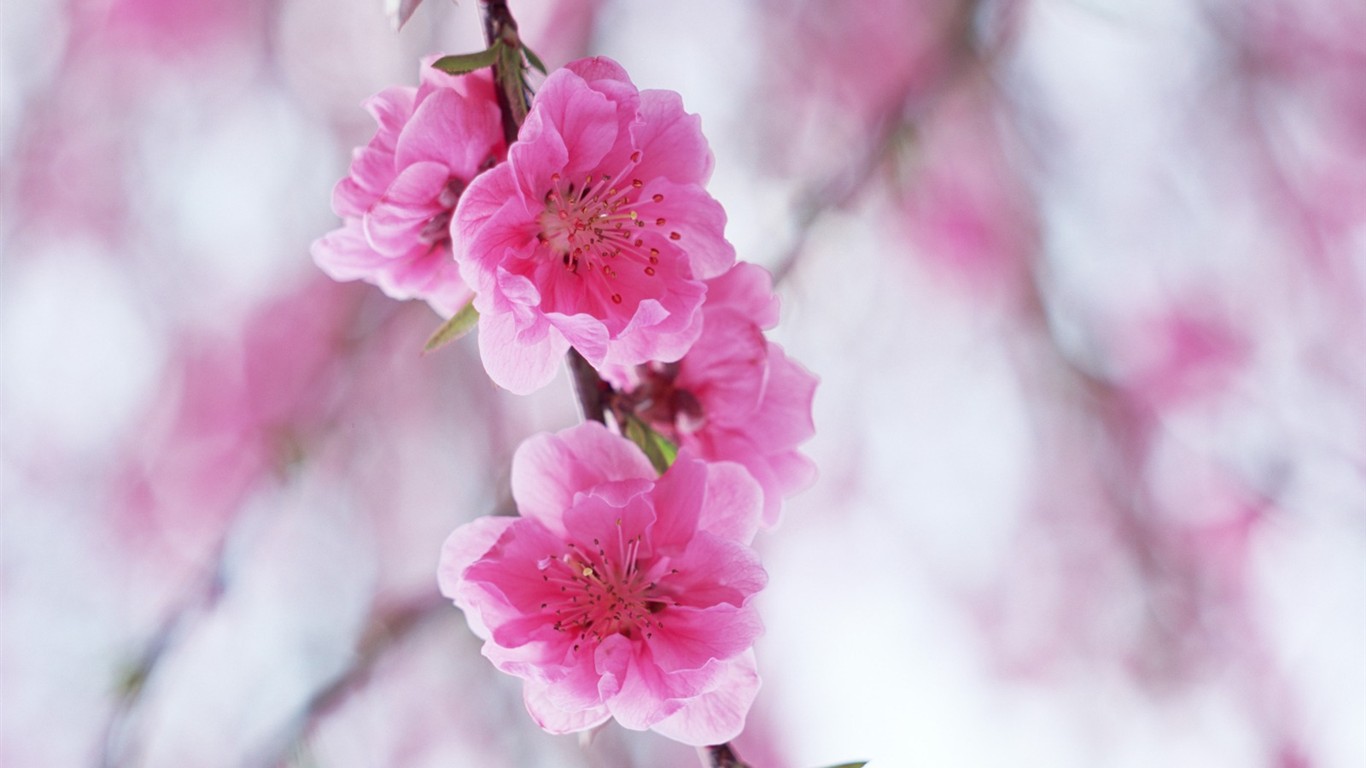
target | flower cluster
x=623, y=588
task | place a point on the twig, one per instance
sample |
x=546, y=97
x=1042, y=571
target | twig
x=723, y=756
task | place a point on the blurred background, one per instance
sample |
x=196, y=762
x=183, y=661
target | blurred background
x=1084, y=281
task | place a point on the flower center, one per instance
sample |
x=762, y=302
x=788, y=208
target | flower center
x=605, y=592
x=437, y=230
x=668, y=408
x=599, y=227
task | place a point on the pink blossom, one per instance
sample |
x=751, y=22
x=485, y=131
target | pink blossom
x=735, y=396
x=396, y=203
x=617, y=594
x=595, y=234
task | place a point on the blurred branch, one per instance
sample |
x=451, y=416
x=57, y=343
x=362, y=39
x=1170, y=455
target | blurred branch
x=387, y=629
x=898, y=121
x=133, y=684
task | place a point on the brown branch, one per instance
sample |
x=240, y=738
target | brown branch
x=500, y=27
x=723, y=756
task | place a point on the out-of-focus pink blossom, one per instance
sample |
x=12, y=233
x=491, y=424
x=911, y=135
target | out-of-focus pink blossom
x=964, y=206
x=735, y=396
x=397, y=201
x=1179, y=356
x=597, y=232
x=617, y=594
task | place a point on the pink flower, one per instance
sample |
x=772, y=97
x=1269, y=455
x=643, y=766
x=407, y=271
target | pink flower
x=617, y=593
x=397, y=202
x=735, y=396
x=595, y=234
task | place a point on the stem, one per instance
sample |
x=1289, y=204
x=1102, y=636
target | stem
x=593, y=393
x=509, y=74
x=499, y=26
x=722, y=756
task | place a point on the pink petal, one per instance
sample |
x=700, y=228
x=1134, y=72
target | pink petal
x=748, y=289
x=598, y=68
x=785, y=417
x=344, y=255
x=678, y=499
x=727, y=369
x=593, y=520
x=395, y=222
x=700, y=222
x=670, y=140
x=371, y=172
x=583, y=119
x=511, y=360
x=463, y=547
x=714, y=571
x=391, y=108
x=718, y=715
x=733, y=504
x=511, y=568
x=584, y=332
x=552, y=715
x=790, y=472
x=548, y=471
x=644, y=695
x=660, y=333
x=429, y=274
x=694, y=637
x=452, y=130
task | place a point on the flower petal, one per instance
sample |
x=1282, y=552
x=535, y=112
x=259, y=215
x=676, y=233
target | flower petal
x=463, y=547
x=549, y=470
x=733, y=504
x=670, y=140
x=698, y=220
x=552, y=715
x=748, y=289
x=714, y=571
x=512, y=359
x=717, y=716
x=447, y=128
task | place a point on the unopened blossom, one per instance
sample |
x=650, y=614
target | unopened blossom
x=736, y=396
x=617, y=593
x=597, y=232
x=396, y=203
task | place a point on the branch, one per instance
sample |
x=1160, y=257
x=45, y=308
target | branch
x=723, y=756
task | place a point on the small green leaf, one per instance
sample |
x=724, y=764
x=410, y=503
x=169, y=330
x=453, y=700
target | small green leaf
x=659, y=449
x=453, y=329
x=855, y=764
x=533, y=59
x=468, y=62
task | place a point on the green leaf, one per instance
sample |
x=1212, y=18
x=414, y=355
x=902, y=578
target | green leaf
x=855, y=764
x=659, y=449
x=534, y=60
x=453, y=329
x=468, y=62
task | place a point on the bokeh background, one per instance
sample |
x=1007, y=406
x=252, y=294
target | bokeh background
x=1084, y=281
